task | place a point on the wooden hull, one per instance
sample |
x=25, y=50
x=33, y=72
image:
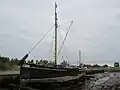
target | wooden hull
x=35, y=72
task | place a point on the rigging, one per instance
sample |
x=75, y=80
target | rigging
x=26, y=56
x=65, y=37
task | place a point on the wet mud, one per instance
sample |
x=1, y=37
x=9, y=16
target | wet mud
x=104, y=81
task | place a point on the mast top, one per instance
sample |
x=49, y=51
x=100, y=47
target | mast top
x=55, y=5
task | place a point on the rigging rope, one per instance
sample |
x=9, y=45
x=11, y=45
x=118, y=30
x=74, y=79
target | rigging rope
x=26, y=56
x=60, y=39
x=64, y=23
x=40, y=40
x=62, y=29
x=65, y=37
x=52, y=46
x=60, y=36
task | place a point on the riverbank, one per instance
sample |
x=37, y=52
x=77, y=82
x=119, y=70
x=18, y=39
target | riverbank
x=96, y=82
x=104, y=81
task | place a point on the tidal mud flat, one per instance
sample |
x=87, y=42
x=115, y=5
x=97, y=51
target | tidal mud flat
x=103, y=81
x=100, y=81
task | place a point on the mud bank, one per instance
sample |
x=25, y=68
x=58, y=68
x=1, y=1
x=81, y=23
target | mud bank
x=101, y=81
x=104, y=81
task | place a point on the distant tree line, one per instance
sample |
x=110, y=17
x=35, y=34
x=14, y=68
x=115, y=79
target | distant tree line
x=7, y=63
x=94, y=66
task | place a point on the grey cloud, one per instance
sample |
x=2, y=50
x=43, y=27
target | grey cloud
x=95, y=29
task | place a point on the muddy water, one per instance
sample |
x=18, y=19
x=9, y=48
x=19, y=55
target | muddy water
x=104, y=81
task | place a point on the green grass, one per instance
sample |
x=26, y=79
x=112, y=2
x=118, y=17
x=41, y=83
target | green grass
x=113, y=69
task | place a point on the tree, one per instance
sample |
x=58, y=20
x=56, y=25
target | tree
x=7, y=64
x=51, y=63
x=16, y=61
x=87, y=65
x=64, y=63
x=41, y=61
x=105, y=65
x=32, y=61
x=4, y=59
x=96, y=65
x=116, y=64
x=37, y=62
x=29, y=62
x=44, y=62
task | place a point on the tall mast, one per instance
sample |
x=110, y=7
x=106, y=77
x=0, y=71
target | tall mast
x=79, y=57
x=55, y=34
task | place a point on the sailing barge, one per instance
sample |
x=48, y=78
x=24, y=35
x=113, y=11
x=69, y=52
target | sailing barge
x=37, y=71
x=38, y=75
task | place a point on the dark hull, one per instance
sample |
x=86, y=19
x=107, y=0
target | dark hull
x=36, y=72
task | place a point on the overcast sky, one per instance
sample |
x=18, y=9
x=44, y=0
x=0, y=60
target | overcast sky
x=95, y=30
